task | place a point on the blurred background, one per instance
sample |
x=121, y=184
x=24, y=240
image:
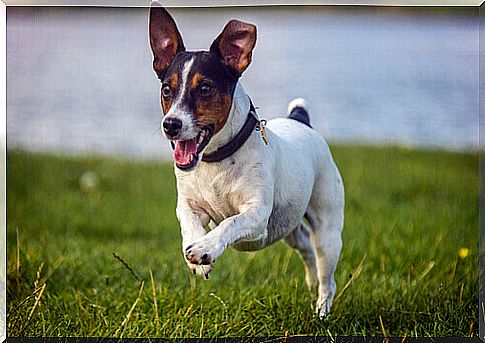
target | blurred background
x=79, y=80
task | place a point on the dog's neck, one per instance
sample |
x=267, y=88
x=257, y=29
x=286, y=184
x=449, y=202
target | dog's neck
x=235, y=120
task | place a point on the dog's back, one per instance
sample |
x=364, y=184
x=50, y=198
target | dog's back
x=301, y=144
x=304, y=164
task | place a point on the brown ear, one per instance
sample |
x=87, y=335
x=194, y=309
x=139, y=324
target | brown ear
x=235, y=45
x=165, y=39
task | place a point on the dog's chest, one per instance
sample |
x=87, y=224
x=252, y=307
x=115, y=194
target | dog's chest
x=218, y=202
x=219, y=194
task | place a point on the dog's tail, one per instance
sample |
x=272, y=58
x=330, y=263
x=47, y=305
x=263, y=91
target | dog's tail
x=298, y=110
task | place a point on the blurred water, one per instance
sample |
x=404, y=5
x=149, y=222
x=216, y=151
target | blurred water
x=80, y=79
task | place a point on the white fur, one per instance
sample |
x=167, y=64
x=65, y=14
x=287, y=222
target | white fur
x=189, y=129
x=184, y=83
x=298, y=102
x=260, y=194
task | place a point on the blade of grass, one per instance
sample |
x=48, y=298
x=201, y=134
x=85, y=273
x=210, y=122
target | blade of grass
x=37, y=275
x=286, y=262
x=128, y=316
x=220, y=300
x=426, y=270
x=201, y=326
x=354, y=277
x=154, y=297
x=18, y=257
x=37, y=299
x=28, y=297
x=382, y=327
x=51, y=271
x=127, y=267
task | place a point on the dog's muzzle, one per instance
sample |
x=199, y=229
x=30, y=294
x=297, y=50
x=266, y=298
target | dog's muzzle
x=186, y=153
x=172, y=126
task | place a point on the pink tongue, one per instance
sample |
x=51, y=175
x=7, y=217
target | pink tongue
x=183, y=151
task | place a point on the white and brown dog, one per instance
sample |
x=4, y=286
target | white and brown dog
x=251, y=194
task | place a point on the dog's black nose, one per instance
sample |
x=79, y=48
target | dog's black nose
x=172, y=126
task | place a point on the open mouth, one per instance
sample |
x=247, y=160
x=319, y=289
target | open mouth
x=186, y=152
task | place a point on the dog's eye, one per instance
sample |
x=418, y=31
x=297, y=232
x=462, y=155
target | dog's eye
x=166, y=91
x=205, y=89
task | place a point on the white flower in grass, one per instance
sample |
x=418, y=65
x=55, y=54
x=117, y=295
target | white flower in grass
x=89, y=181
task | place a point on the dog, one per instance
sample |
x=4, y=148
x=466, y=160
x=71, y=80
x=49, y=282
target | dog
x=252, y=184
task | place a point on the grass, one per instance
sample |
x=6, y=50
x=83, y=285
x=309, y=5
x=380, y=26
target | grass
x=409, y=264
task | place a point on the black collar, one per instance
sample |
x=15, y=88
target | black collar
x=234, y=144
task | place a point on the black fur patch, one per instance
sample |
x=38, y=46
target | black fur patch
x=301, y=115
x=206, y=63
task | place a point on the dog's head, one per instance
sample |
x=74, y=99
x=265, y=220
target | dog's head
x=197, y=87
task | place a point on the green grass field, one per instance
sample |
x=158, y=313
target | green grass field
x=409, y=264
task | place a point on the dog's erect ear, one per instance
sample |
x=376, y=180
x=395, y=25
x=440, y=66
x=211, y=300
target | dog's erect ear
x=165, y=39
x=235, y=45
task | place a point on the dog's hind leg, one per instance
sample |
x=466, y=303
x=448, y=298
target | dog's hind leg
x=299, y=239
x=326, y=215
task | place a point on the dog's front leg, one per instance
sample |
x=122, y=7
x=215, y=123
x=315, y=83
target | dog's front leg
x=192, y=222
x=249, y=225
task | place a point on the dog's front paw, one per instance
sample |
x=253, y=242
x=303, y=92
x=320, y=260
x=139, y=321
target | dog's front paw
x=203, y=253
x=200, y=270
x=323, y=307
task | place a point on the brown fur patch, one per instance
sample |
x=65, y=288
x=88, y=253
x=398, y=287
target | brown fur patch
x=235, y=44
x=214, y=112
x=196, y=80
x=174, y=84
